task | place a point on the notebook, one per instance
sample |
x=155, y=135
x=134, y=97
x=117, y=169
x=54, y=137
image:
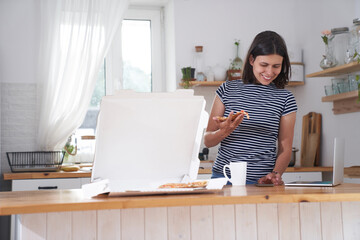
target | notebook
x=338, y=169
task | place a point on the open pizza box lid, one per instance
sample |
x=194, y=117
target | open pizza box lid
x=144, y=140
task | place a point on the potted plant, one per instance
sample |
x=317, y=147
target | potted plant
x=188, y=75
x=236, y=65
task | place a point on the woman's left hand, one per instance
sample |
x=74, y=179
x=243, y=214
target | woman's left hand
x=274, y=178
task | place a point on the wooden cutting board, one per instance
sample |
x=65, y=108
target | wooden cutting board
x=310, y=140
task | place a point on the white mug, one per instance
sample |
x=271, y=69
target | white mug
x=238, y=173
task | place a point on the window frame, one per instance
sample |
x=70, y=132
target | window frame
x=113, y=59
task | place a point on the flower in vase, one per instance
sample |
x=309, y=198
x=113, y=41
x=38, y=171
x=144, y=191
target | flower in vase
x=326, y=34
x=237, y=42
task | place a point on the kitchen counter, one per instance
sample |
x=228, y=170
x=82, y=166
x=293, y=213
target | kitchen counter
x=87, y=173
x=246, y=211
x=348, y=171
x=73, y=200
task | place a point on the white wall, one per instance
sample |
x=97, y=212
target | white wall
x=215, y=24
x=17, y=46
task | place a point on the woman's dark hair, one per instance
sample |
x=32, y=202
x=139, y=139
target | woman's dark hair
x=267, y=43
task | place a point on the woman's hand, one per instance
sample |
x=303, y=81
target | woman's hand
x=230, y=124
x=217, y=130
x=274, y=178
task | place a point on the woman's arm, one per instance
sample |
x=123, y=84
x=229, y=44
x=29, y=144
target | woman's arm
x=216, y=131
x=285, y=140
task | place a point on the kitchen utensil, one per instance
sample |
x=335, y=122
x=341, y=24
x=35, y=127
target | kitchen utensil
x=293, y=157
x=205, y=152
x=311, y=149
x=39, y=161
x=311, y=140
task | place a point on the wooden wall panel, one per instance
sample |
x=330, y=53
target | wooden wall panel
x=331, y=220
x=310, y=223
x=201, y=222
x=59, y=226
x=132, y=224
x=179, y=223
x=33, y=226
x=306, y=220
x=245, y=221
x=156, y=223
x=267, y=221
x=108, y=224
x=351, y=220
x=289, y=221
x=224, y=222
x=84, y=224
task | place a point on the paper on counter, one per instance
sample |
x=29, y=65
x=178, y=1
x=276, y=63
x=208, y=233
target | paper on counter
x=95, y=188
x=216, y=183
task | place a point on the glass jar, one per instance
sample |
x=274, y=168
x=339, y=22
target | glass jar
x=86, y=149
x=353, y=83
x=340, y=44
x=355, y=39
x=328, y=60
x=199, y=64
x=237, y=63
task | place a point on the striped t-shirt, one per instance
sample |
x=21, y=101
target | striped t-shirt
x=254, y=140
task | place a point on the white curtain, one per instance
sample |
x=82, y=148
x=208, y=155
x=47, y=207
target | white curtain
x=75, y=36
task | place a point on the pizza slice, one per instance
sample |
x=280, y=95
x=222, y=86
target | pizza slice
x=198, y=184
x=222, y=119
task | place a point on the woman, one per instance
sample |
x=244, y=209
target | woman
x=264, y=140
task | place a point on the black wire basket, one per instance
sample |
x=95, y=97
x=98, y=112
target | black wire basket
x=43, y=161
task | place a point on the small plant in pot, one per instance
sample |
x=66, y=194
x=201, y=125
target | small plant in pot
x=188, y=75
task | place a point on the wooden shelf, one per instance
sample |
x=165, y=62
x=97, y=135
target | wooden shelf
x=343, y=102
x=218, y=83
x=204, y=83
x=336, y=71
x=295, y=83
x=336, y=97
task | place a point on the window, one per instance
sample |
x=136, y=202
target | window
x=136, y=55
x=140, y=44
x=142, y=51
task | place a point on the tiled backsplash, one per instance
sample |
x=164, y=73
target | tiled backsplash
x=19, y=120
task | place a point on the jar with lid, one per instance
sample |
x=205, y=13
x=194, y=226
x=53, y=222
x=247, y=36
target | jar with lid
x=86, y=149
x=340, y=44
x=199, y=63
x=355, y=39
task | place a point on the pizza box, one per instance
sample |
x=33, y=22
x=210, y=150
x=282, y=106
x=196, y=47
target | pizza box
x=144, y=140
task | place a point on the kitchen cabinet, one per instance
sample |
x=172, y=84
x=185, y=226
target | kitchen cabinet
x=28, y=181
x=45, y=184
x=40, y=181
x=218, y=83
x=344, y=102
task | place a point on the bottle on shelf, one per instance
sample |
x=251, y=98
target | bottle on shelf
x=199, y=64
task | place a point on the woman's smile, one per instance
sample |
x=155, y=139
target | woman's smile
x=266, y=68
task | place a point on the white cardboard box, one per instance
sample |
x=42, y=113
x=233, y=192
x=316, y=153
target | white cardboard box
x=147, y=139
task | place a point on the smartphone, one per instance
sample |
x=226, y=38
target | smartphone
x=264, y=184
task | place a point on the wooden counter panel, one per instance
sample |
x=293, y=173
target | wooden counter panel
x=41, y=175
x=73, y=200
x=84, y=174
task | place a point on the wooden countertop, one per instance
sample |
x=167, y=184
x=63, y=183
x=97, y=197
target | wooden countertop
x=81, y=174
x=72, y=200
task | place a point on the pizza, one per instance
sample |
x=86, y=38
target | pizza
x=198, y=184
x=234, y=116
